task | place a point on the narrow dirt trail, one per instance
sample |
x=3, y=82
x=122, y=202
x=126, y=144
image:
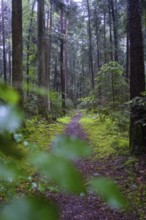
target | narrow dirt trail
x=87, y=207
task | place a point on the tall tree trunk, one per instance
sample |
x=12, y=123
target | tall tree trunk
x=137, y=78
x=97, y=38
x=90, y=45
x=104, y=40
x=65, y=45
x=4, y=44
x=127, y=57
x=110, y=32
x=114, y=18
x=63, y=83
x=42, y=78
x=9, y=11
x=28, y=46
x=17, y=48
x=50, y=40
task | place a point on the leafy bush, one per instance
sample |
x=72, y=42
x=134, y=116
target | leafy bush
x=87, y=102
x=111, y=85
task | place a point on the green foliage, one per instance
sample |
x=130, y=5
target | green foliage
x=56, y=103
x=64, y=120
x=87, y=102
x=109, y=192
x=8, y=94
x=70, y=147
x=106, y=137
x=63, y=173
x=10, y=118
x=40, y=133
x=55, y=166
x=111, y=85
x=31, y=208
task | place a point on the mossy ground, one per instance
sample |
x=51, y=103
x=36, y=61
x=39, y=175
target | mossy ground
x=110, y=146
x=110, y=149
x=37, y=137
x=105, y=136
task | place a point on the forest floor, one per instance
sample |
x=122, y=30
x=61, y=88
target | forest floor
x=125, y=170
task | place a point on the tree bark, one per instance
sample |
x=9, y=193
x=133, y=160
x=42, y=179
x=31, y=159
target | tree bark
x=42, y=77
x=110, y=32
x=104, y=40
x=9, y=71
x=50, y=40
x=137, y=78
x=28, y=46
x=97, y=38
x=114, y=18
x=90, y=45
x=65, y=46
x=4, y=44
x=17, y=48
x=63, y=83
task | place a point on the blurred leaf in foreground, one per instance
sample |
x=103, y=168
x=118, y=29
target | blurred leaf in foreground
x=10, y=118
x=60, y=170
x=10, y=170
x=29, y=209
x=8, y=94
x=108, y=190
x=9, y=148
x=70, y=147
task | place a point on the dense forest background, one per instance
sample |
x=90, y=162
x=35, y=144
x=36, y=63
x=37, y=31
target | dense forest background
x=77, y=39
x=84, y=53
x=60, y=55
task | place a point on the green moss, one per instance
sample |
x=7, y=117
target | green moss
x=131, y=161
x=64, y=120
x=105, y=137
x=37, y=135
x=41, y=133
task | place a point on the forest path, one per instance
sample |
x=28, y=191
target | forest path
x=89, y=207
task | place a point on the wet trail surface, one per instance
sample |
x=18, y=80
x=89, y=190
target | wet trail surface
x=89, y=207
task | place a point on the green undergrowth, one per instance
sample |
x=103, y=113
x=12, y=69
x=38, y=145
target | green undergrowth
x=41, y=133
x=36, y=137
x=108, y=137
x=105, y=136
x=65, y=120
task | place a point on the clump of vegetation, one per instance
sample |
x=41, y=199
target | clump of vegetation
x=41, y=133
x=106, y=137
x=65, y=120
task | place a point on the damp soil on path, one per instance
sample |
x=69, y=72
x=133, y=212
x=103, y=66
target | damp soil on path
x=90, y=207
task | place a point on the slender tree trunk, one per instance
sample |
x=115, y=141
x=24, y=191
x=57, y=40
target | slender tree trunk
x=90, y=45
x=105, y=47
x=17, y=48
x=110, y=31
x=65, y=46
x=137, y=78
x=4, y=44
x=28, y=46
x=114, y=18
x=63, y=83
x=127, y=57
x=50, y=40
x=55, y=84
x=9, y=43
x=42, y=78
x=97, y=38
x=113, y=92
